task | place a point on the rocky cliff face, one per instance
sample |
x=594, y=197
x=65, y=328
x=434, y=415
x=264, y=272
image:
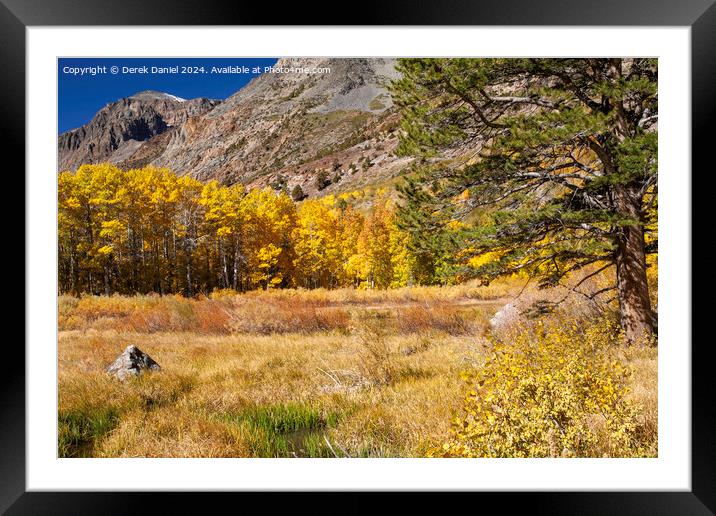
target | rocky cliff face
x=282, y=129
x=119, y=128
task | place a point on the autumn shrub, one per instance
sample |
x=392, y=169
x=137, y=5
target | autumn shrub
x=471, y=290
x=556, y=390
x=444, y=317
x=413, y=310
x=153, y=318
x=148, y=314
x=222, y=294
x=78, y=313
x=212, y=317
x=267, y=316
x=66, y=306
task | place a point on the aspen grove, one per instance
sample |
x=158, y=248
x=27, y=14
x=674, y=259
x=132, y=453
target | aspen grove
x=149, y=230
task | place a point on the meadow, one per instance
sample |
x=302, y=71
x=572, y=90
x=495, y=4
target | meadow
x=300, y=373
x=291, y=326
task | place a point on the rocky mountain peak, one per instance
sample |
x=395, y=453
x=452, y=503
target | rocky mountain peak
x=307, y=118
x=117, y=129
x=321, y=85
x=155, y=95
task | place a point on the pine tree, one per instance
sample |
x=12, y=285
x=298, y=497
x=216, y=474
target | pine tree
x=297, y=193
x=563, y=152
x=322, y=180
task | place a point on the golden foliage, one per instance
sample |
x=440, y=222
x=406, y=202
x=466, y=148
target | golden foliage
x=149, y=230
x=556, y=390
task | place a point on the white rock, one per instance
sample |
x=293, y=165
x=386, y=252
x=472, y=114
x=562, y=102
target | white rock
x=132, y=362
x=505, y=315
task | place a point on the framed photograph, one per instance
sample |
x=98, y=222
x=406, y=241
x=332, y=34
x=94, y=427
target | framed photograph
x=419, y=252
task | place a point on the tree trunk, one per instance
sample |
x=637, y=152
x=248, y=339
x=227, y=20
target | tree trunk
x=107, y=289
x=236, y=262
x=637, y=318
x=224, y=266
x=189, y=292
x=74, y=274
x=209, y=276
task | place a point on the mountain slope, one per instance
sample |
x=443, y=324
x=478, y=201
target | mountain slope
x=323, y=131
x=119, y=128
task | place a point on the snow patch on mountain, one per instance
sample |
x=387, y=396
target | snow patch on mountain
x=174, y=97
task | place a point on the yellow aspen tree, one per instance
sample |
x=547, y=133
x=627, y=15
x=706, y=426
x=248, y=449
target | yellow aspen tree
x=269, y=221
x=316, y=244
x=350, y=226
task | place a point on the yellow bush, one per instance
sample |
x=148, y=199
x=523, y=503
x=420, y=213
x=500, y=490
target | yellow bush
x=555, y=391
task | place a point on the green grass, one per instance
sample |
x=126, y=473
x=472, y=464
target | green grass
x=286, y=430
x=79, y=430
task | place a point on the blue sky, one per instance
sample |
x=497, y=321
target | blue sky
x=81, y=95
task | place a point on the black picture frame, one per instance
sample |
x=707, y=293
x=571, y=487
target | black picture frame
x=700, y=15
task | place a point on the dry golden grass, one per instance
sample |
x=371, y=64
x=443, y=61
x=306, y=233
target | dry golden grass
x=179, y=411
x=285, y=373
